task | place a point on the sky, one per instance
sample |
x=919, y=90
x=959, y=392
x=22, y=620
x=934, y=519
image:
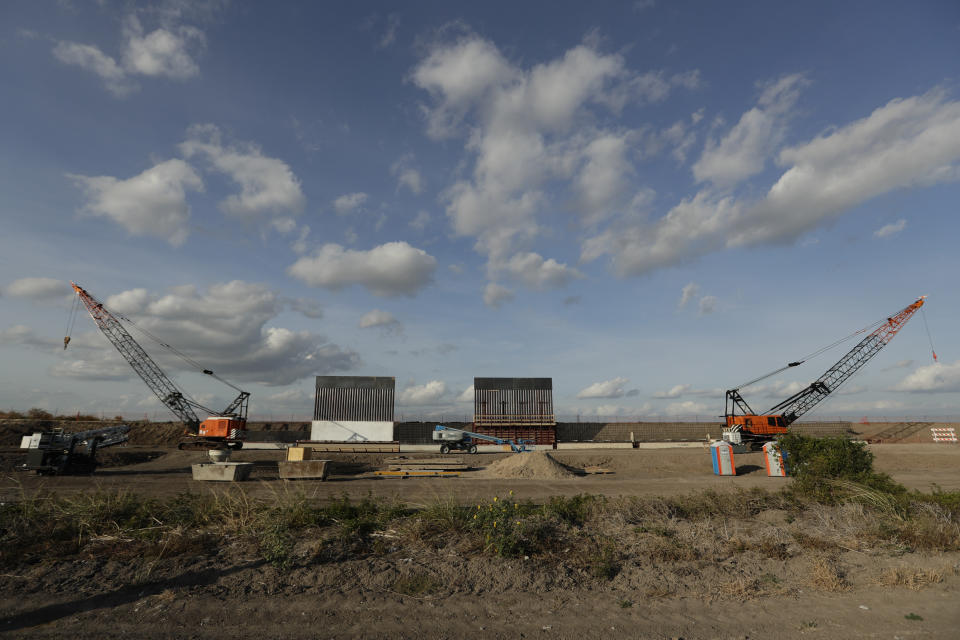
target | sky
x=649, y=202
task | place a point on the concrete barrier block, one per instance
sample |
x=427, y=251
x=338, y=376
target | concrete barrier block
x=222, y=471
x=306, y=469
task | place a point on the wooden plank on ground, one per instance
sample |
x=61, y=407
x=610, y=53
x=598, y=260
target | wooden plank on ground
x=428, y=467
x=417, y=474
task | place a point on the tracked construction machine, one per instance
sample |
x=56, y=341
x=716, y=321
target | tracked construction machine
x=220, y=430
x=745, y=426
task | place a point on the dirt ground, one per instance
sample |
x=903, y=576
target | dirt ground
x=234, y=594
x=166, y=471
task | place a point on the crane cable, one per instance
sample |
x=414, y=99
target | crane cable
x=71, y=321
x=929, y=337
x=817, y=353
x=176, y=352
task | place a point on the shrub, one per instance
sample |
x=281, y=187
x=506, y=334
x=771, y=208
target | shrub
x=816, y=463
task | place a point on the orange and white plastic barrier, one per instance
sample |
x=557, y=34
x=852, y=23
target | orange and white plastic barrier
x=946, y=434
x=774, y=459
x=722, y=454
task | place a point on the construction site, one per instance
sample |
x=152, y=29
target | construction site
x=355, y=521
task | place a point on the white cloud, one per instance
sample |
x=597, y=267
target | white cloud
x=688, y=408
x=425, y=394
x=38, y=288
x=606, y=389
x=168, y=51
x=394, y=268
x=21, y=334
x=536, y=273
x=390, y=31
x=495, y=295
x=92, y=59
x=421, y=220
x=104, y=366
x=932, y=378
x=890, y=229
x=162, y=52
x=308, y=307
x=467, y=395
x=348, y=202
x=526, y=127
x=680, y=390
x=708, y=304
x=382, y=320
x=268, y=185
x=911, y=142
x=744, y=150
x=900, y=364
x=406, y=174
x=675, y=392
x=152, y=203
x=227, y=328
x=688, y=293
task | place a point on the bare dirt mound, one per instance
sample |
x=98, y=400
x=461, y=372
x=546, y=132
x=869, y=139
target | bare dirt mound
x=536, y=464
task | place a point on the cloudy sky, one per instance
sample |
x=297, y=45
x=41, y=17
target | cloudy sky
x=649, y=201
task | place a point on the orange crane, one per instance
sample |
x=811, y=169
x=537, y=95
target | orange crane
x=224, y=429
x=744, y=425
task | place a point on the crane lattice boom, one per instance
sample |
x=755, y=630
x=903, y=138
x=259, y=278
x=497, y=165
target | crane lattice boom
x=779, y=417
x=143, y=364
x=226, y=427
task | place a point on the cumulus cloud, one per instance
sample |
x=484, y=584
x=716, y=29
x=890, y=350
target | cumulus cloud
x=675, y=392
x=900, y=364
x=932, y=378
x=169, y=51
x=89, y=57
x=890, y=229
x=688, y=293
x=744, y=150
x=688, y=408
x=467, y=395
x=21, y=334
x=308, y=307
x=680, y=390
x=267, y=185
x=424, y=394
x=229, y=328
x=525, y=127
x=606, y=389
x=161, y=52
x=349, y=202
x=907, y=143
x=391, y=269
x=38, y=289
x=382, y=320
x=495, y=295
x=536, y=273
x=406, y=174
x=152, y=203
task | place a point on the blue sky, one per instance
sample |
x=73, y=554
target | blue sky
x=649, y=201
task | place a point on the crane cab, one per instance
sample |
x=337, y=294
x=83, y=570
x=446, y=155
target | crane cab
x=773, y=425
x=228, y=427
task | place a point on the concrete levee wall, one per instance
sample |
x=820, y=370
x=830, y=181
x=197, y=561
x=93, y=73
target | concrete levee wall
x=420, y=432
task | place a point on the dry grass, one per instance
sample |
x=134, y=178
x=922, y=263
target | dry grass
x=740, y=589
x=915, y=579
x=827, y=575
